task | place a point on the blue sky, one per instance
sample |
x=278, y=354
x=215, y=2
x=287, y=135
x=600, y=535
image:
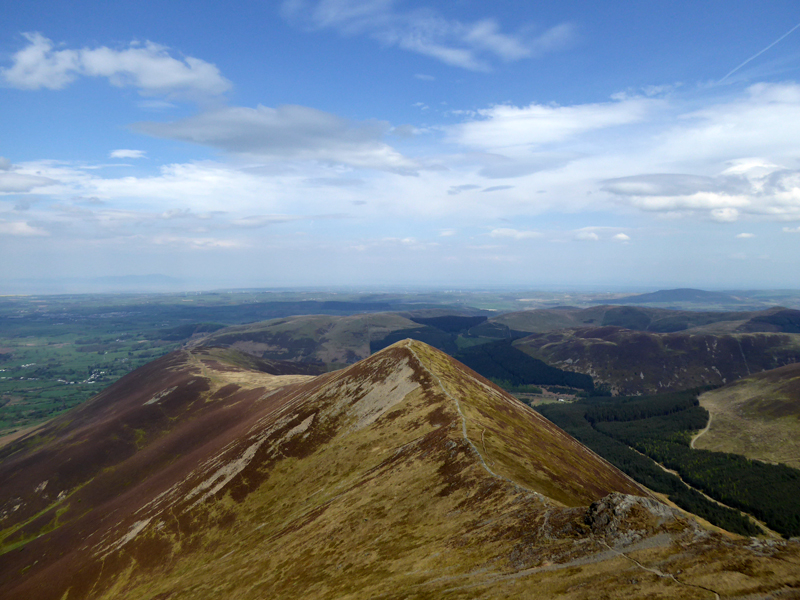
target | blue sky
x=325, y=143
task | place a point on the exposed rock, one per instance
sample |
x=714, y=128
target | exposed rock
x=623, y=518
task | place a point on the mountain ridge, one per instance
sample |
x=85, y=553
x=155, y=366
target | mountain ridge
x=405, y=474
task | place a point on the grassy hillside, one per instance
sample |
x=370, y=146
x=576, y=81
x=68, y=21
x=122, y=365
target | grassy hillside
x=758, y=417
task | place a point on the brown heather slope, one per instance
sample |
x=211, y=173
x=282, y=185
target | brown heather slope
x=403, y=476
x=758, y=417
x=637, y=362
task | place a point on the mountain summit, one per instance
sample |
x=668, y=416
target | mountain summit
x=209, y=474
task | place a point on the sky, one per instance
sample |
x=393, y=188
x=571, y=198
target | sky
x=380, y=143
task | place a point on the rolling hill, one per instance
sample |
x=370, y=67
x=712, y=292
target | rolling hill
x=637, y=362
x=654, y=320
x=631, y=350
x=404, y=475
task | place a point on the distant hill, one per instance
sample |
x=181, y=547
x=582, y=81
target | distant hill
x=679, y=295
x=757, y=416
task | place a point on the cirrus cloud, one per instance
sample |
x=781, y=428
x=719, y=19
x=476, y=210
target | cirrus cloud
x=473, y=46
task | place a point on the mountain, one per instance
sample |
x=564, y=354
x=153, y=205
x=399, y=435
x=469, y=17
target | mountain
x=404, y=475
x=757, y=416
x=637, y=362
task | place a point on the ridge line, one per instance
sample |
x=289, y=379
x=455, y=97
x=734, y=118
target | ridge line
x=464, y=426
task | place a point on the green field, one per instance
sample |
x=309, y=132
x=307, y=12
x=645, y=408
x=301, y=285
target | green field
x=43, y=374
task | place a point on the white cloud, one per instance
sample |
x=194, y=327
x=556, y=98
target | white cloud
x=745, y=236
x=472, y=46
x=725, y=215
x=20, y=228
x=757, y=190
x=196, y=243
x=734, y=158
x=661, y=185
x=423, y=77
x=791, y=229
x=289, y=133
x=621, y=237
x=447, y=232
x=12, y=181
x=505, y=127
x=585, y=235
x=122, y=153
x=764, y=122
x=514, y=234
x=17, y=183
x=147, y=67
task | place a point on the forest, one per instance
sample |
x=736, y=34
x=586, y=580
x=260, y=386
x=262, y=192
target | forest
x=637, y=434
